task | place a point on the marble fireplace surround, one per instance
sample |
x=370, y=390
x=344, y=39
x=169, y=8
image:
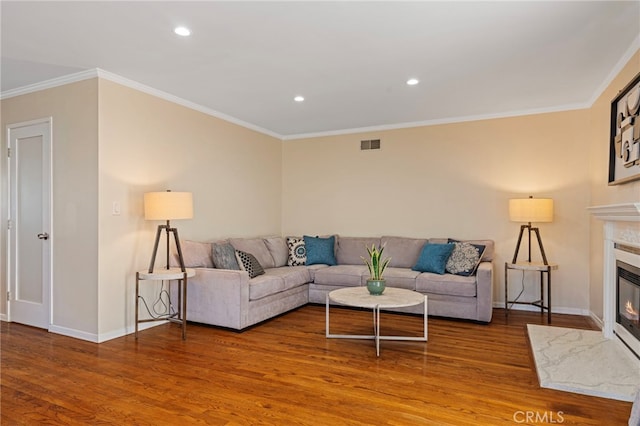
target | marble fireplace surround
x=621, y=227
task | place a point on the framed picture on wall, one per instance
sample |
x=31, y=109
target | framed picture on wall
x=624, y=141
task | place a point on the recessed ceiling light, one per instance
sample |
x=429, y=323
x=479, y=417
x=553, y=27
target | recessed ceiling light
x=182, y=31
x=299, y=98
x=413, y=81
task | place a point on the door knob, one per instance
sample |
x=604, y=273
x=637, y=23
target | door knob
x=43, y=236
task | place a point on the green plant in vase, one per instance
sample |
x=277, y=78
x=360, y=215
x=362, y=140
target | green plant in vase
x=376, y=264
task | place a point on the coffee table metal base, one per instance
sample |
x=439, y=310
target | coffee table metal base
x=376, y=324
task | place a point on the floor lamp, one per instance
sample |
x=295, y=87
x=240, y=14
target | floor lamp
x=167, y=206
x=530, y=210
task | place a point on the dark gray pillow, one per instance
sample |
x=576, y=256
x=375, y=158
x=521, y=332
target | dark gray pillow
x=224, y=256
x=249, y=263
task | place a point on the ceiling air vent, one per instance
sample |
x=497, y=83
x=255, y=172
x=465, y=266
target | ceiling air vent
x=370, y=144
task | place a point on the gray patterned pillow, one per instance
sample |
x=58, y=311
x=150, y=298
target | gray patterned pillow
x=224, y=256
x=249, y=263
x=464, y=259
x=297, y=251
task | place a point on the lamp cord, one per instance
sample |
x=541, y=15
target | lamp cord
x=513, y=302
x=167, y=308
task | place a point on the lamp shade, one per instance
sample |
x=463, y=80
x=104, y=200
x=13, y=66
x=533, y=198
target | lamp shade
x=168, y=205
x=531, y=210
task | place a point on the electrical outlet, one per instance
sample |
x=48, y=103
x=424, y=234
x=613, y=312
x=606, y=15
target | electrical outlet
x=115, y=211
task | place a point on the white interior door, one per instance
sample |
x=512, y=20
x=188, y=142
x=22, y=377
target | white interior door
x=30, y=223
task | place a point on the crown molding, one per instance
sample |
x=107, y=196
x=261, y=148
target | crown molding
x=48, y=84
x=435, y=122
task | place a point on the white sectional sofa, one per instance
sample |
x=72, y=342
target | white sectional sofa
x=230, y=298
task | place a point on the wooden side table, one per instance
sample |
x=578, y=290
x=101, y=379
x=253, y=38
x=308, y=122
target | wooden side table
x=179, y=317
x=536, y=267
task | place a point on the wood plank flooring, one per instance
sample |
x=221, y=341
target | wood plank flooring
x=285, y=372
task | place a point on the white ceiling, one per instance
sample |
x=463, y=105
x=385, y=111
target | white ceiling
x=350, y=60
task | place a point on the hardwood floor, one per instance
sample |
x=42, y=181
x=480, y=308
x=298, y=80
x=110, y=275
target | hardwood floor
x=285, y=371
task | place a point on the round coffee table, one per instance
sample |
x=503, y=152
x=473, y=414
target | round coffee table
x=359, y=297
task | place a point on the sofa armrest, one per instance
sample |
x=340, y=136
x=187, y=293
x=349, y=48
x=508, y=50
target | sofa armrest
x=218, y=297
x=484, y=291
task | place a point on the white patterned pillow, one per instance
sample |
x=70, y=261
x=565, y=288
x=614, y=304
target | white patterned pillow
x=249, y=263
x=297, y=251
x=464, y=259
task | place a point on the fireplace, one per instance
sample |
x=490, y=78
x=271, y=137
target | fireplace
x=621, y=268
x=628, y=297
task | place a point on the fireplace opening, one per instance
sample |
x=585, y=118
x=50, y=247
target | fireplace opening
x=628, y=297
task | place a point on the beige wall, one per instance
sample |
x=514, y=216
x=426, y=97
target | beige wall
x=111, y=144
x=149, y=144
x=601, y=193
x=75, y=200
x=452, y=181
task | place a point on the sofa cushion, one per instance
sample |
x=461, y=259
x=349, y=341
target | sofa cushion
x=265, y=285
x=433, y=258
x=351, y=250
x=293, y=276
x=464, y=259
x=404, y=252
x=312, y=270
x=194, y=254
x=297, y=251
x=341, y=275
x=255, y=246
x=224, y=256
x=249, y=263
x=398, y=277
x=320, y=250
x=448, y=284
x=277, y=247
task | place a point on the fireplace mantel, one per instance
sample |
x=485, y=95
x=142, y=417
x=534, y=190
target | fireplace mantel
x=621, y=226
x=627, y=212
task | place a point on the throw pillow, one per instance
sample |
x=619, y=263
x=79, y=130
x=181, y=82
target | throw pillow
x=249, y=263
x=194, y=254
x=433, y=258
x=320, y=250
x=297, y=251
x=224, y=256
x=464, y=259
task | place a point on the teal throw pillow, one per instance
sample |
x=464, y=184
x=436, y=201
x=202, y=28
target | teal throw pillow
x=320, y=250
x=433, y=258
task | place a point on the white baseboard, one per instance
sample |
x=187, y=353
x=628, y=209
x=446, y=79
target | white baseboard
x=3, y=317
x=76, y=334
x=554, y=309
x=128, y=330
x=103, y=337
x=597, y=320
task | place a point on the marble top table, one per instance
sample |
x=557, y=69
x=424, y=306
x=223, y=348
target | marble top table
x=359, y=297
x=169, y=274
